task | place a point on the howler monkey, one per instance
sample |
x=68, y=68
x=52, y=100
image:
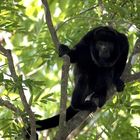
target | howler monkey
x=99, y=58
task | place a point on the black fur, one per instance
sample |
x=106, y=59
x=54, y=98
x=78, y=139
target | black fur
x=99, y=58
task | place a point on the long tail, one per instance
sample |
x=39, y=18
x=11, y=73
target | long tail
x=54, y=121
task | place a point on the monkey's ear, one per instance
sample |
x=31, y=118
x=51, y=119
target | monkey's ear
x=62, y=50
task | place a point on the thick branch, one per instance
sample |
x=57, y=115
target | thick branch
x=63, y=101
x=7, y=53
x=64, y=77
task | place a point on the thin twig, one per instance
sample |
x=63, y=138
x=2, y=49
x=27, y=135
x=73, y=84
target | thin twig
x=113, y=15
x=76, y=16
x=10, y=106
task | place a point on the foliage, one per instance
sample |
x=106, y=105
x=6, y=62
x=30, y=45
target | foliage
x=24, y=31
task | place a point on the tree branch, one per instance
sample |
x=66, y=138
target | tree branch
x=122, y=4
x=63, y=101
x=74, y=17
x=80, y=117
x=136, y=50
x=64, y=77
x=8, y=105
x=132, y=77
x=8, y=54
x=50, y=24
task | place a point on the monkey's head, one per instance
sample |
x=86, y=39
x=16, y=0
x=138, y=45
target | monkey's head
x=105, y=48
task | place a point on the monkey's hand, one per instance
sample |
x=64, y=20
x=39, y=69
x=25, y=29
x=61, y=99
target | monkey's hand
x=63, y=49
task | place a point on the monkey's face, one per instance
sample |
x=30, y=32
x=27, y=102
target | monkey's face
x=103, y=53
x=104, y=49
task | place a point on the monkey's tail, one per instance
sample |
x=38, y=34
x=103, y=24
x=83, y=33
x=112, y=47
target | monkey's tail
x=54, y=121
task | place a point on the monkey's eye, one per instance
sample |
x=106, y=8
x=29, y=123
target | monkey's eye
x=104, y=44
x=100, y=43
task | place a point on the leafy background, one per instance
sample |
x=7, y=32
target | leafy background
x=24, y=31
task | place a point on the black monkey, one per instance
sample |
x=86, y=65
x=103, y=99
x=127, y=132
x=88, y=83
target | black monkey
x=99, y=58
